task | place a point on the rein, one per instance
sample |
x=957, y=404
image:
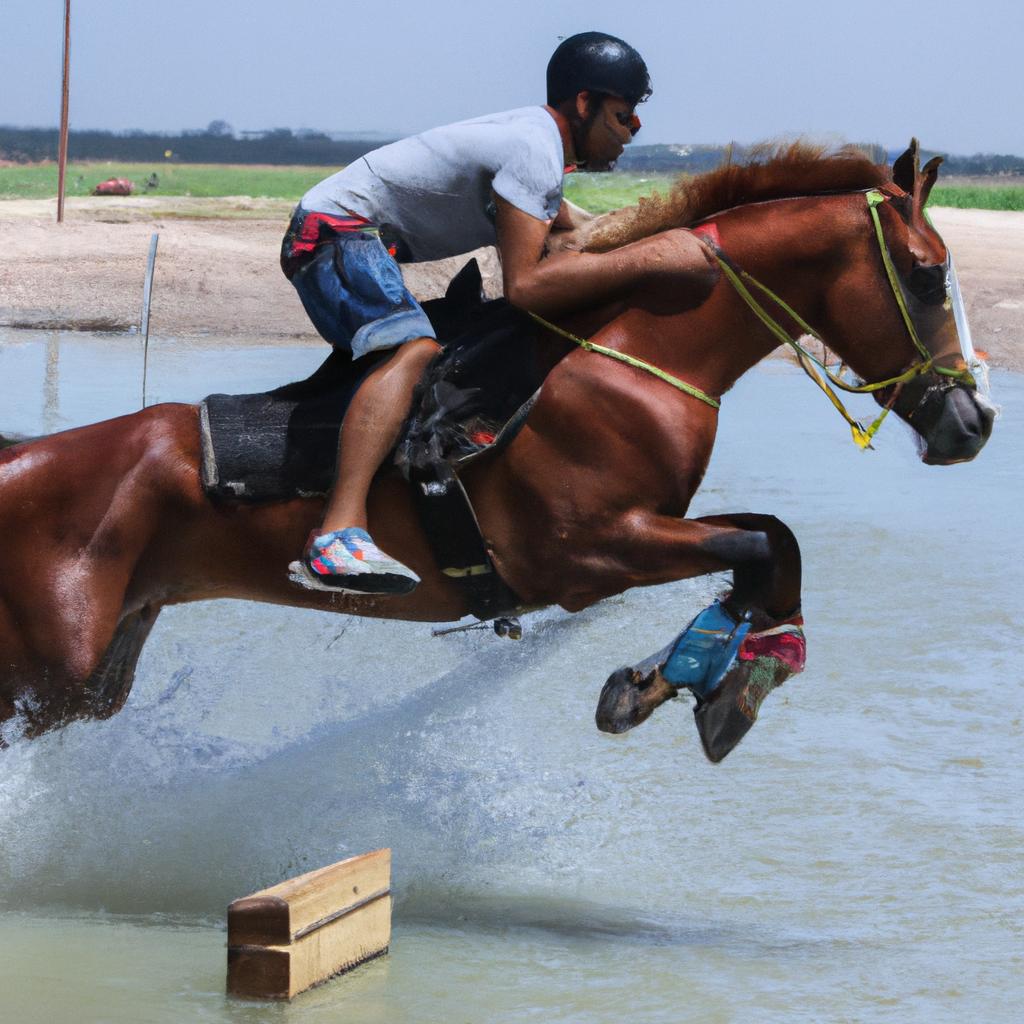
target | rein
x=811, y=365
x=641, y=364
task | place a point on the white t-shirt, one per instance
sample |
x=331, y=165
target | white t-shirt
x=436, y=188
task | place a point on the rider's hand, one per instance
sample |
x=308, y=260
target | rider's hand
x=679, y=252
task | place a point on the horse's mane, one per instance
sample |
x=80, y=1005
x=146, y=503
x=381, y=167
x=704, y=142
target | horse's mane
x=772, y=171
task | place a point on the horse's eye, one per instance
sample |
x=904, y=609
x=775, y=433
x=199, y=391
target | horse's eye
x=928, y=284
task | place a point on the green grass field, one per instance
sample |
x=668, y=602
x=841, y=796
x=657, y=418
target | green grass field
x=596, y=192
x=39, y=181
x=979, y=197
x=600, y=193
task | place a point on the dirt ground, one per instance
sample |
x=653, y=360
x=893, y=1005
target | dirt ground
x=217, y=269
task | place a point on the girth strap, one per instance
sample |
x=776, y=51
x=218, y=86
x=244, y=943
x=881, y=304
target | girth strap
x=458, y=545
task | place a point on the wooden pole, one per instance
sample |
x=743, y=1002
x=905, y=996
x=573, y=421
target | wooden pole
x=62, y=151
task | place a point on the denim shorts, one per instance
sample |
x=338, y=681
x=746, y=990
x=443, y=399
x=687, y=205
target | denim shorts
x=353, y=291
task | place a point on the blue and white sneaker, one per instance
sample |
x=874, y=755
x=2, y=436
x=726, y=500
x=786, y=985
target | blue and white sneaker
x=348, y=561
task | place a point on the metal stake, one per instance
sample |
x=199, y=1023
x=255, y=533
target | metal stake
x=147, y=295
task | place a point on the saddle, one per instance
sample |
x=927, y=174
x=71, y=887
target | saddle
x=473, y=399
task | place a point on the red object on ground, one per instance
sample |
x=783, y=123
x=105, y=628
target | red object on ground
x=114, y=187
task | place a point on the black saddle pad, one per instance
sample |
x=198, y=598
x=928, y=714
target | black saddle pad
x=279, y=444
x=282, y=443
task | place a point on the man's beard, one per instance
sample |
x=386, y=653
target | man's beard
x=580, y=128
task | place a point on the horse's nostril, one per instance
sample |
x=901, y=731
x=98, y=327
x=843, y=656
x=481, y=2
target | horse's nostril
x=959, y=431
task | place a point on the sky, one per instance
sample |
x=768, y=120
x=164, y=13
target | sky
x=723, y=70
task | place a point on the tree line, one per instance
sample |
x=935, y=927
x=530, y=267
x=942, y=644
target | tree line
x=217, y=144
x=278, y=146
x=697, y=159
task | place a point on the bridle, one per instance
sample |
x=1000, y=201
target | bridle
x=974, y=372
x=826, y=379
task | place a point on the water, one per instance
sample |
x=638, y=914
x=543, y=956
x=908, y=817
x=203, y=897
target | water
x=855, y=859
x=54, y=380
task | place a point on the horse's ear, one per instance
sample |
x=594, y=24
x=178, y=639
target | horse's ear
x=929, y=173
x=466, y=288
x=924, y=244
x=905, y=169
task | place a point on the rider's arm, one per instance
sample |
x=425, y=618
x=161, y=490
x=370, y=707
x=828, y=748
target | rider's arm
x=570, y=280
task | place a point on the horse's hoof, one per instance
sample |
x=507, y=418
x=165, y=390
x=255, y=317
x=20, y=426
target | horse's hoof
x=629, y=698
x=728, y=714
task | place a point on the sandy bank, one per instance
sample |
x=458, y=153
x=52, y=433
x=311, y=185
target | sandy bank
x=217, y=269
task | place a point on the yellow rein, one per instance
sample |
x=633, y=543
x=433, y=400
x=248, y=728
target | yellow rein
x=812, y=366
x=640, y=364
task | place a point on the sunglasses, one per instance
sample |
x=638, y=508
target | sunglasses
x=628, y=119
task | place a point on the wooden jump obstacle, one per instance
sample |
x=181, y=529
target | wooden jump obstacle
x=294, y=935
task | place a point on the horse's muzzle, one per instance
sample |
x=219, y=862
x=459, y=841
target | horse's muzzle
x=953, y=423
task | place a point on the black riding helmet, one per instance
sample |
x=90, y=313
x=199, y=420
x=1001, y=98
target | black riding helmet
x=597, y=62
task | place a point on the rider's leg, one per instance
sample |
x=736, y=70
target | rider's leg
x=354, y=294
x=371, y=429
x=342, y=554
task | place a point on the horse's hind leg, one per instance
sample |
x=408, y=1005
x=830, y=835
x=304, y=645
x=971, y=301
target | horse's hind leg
x=64, y=696
x=733, y=654
x=79, y=516
x=110, y=683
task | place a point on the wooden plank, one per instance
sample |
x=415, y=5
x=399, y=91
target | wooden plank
x=283, y=939
x=278, y=915
x=281, y=972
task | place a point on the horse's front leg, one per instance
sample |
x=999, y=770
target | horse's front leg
x=735, y=652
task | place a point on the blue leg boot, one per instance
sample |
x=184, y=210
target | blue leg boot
x=728, y=668
x=697, y=659
x=730, y=671
x=702, y=654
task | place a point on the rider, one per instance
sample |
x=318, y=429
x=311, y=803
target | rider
x=491, y=180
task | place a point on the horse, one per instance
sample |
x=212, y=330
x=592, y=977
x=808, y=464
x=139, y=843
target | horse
x=107, y=524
